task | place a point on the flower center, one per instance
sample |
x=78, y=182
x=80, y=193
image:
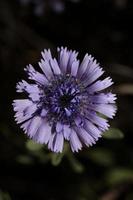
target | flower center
x=63, y=99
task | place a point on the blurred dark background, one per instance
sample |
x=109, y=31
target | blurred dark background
x=102, y=28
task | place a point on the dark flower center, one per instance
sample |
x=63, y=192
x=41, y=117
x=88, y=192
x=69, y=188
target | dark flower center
x=63, y=99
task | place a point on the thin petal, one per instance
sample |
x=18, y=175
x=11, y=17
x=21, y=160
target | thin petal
x=63, y=58
x=72, y=59
x=55, y=66
x=92, y=129
x=92, y=76
x=33, y=126
x=103, y=98
x=91, y=67
x=100, y=85
x=74, y=68
x=66, y=132
x=45, y=66
x=100, y=122
x=59, y=127
x=43, y=134
x=32, y=89
x=43, y=113
x=50, y=142
x=21, y=104
x=87, y=139
x=75, y=142
x=36, y=76
x=46, y=54
x=24, y=112
x=58, y=143
x=105, y=109
x=83, y=65
x=78, y=121
x=25, y=125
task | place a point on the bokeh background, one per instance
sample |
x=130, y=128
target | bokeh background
x=103, y=28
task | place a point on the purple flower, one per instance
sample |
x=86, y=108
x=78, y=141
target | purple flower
x=65, y=101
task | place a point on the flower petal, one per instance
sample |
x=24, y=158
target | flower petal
x=105, y=109
x=34, y=126
x=55, y=66
x=43, y=134
x=59, y=127
x=25, y=125
x=100, y=85
x=92, y=129
x=72, y=59
x=74, y=68
x=63, y=58
x=46, y=54
x=58, y=142
x=66, y=132
x=50, y=142
x=21, y=104
x=36, y=76
x=75, y=142
x=25, y=111
x=83, y=66
x=100, y=122
x=32, y=89
x=91, y=67
x=87, y=139
x=103, y=98
x=45, y=66
x=92, y=76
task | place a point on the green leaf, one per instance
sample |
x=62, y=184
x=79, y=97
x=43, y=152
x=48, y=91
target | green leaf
x=4, y=196
x=56, y=158
x=101, y=156
x=75, y=164
x=113, y=133
x=32, y=146
x=119, y=175
x=23, y=159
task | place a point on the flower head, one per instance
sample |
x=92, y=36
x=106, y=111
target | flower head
x=65, y=101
